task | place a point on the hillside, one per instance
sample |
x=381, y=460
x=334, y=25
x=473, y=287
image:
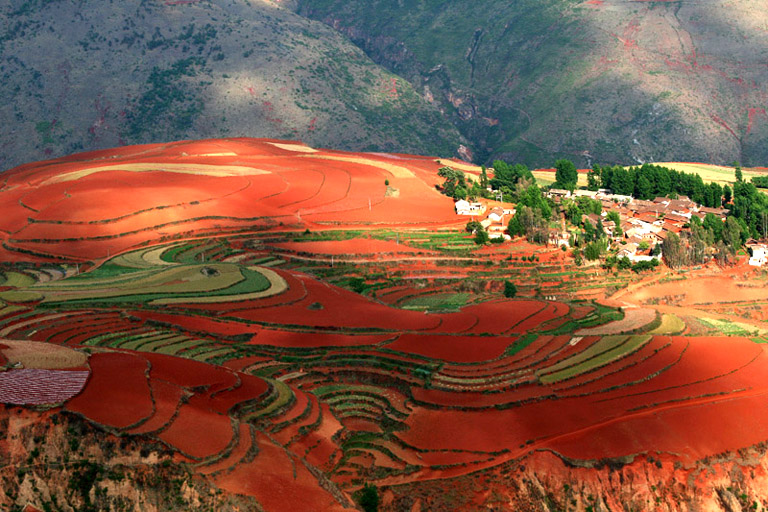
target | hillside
x=91, y=75
x=599, y=81
x=259, y=324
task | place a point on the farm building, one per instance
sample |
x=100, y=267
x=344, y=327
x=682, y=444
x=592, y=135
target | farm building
x=496, y=214
x=464, y=207
x=758, y=252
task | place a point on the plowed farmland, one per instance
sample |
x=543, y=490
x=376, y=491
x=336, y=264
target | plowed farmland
x=291, y=324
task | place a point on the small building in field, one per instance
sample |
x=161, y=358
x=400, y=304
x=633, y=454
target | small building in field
x=496, y=214
x=464, y=207
x=559, y=238
x=592, y=194
x=628, y=251
x=759, y=253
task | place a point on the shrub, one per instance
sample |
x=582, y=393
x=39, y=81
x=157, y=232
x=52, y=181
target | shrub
x=510, y=290
x=481, y=237
x=369, y=498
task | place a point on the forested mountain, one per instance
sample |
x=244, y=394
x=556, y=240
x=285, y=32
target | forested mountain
x=83, y=74
x=595, y=81
x=606, y=81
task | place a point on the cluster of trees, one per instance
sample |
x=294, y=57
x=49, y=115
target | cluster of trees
x=750, y=208
x=575, y=208
x=455, y=184
x=649, y=181
x=566, y=175
x=626, y=264
x=506, y=177
x=705, y=240
x=531, y=219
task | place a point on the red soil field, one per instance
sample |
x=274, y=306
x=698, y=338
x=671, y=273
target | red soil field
x=340, y=308
x=117, y=394
x=478, y=400
x=244, y=443
x=553, y=310
x=592, y=427
x=498, y=317
x=191, y=374
x=197, y=323
x=458, y=349
x=198, y=432
x=167, y=398
x=314, y=339
x=249, y=388
x=294, y=186
x=283, y=484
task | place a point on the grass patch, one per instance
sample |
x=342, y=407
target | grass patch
x=670, y=324
x=605, y=351
x=438, y=302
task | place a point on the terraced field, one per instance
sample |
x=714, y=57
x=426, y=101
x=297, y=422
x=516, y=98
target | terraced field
x=316, y=360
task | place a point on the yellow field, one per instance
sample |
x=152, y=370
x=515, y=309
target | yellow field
x=546, y=178
x=46, y=356
x=461, y=166
x=398, y=171
x=717, y=173
x=198, y=169
x=670, y=324
x=301, y=148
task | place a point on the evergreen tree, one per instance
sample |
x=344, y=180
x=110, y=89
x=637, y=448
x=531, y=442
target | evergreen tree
x=593, y=178
x=566, y=174
x=510, y=290
x=737, y=171
x=369, y=498
x=726, y=194
x=674, y=253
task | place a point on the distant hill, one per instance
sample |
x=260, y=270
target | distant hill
x=88, y=75
x=606, y=81
x=596, y=81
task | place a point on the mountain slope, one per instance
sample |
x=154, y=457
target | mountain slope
x=597, y=81
x=90, y=75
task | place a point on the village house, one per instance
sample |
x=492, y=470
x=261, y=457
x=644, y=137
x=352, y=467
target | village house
x=559, y=192
x=759, y=253
x=464, y=207
x=498, y=231
x=558, y=238
x=627, y=251
x=496, y=214
x=720, y=213
x=676, y=219
x=592, y=194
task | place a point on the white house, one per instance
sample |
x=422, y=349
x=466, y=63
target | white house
x=759, y=256
x=464, y=207
x=497, y=214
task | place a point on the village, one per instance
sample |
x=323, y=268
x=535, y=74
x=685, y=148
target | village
x=643, y=226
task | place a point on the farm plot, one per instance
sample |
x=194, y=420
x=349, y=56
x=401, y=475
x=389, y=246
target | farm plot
x=122, y=378
x=634, y=319
x=597, y=355
x=205, y=283
x=459, y=349
x=33, y=354
x=327, y=305
x=32, y=386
